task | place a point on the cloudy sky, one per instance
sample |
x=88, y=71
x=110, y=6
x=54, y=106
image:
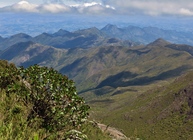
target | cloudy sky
x=126, y=7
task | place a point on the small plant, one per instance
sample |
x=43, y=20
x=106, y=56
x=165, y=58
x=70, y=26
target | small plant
x=75, y=135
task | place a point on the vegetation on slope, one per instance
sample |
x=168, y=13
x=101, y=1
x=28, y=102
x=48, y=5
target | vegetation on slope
x=39, y=103
x=112, y=67
x=93, y=68
x=164, y=112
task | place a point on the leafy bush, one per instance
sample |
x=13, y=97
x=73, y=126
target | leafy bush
x=52, y=97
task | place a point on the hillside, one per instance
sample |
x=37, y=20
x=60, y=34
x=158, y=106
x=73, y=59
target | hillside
x=103, y=69
x=118, y=66
x=162, y=112
x=30, y=53
x=7, y=42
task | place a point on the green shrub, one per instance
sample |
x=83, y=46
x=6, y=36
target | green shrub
x=50, y=97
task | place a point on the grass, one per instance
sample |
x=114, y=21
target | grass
x=13, y=123
x=104, y=69
x=157, y=112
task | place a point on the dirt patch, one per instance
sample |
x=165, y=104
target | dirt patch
x=113, y=132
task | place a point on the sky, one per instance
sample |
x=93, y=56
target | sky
x=101, y=7
x=36, y=16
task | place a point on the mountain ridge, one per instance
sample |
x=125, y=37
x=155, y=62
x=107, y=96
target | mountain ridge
x=95, y=67
x=30, y=53
x=159, y=42
x=91, y=37
x=61, y=32
x=146, y=35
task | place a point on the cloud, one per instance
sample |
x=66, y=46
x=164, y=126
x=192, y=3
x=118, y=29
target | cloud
x=153, y=7
x=20, y=7
x=53, y=1
x=187, y=12
x=93, y=8
x=54, y=8
x=126, y=7
x=58, y=6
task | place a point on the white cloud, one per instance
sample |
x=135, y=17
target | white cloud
x=187, y=12
x=93, y=8
x=56, y=6
x=153, y=7
x=128, y=7
x=20, y=7
x=91, y=4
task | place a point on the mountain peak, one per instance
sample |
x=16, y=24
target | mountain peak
x=21, y=35
x=61, y=32
x=92, y=30
x=159, y=42
x=109, y=27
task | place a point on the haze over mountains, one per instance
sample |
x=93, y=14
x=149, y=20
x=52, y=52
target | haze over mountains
x=147, y=34
x=65, y=39
x=91, y=37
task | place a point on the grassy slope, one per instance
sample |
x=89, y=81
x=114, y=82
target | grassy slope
x=148, y=63
x=161, y=113
x=158, y=66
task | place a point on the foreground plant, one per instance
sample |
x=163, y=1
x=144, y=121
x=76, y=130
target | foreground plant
x=54, y=103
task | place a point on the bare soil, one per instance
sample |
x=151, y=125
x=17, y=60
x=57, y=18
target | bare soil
x=113, y=132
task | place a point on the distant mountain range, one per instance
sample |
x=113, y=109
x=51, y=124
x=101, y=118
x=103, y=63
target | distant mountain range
x=147, y=34
x=91, y=37
x=107, y=65
x=67, y=40
x=95, y=58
